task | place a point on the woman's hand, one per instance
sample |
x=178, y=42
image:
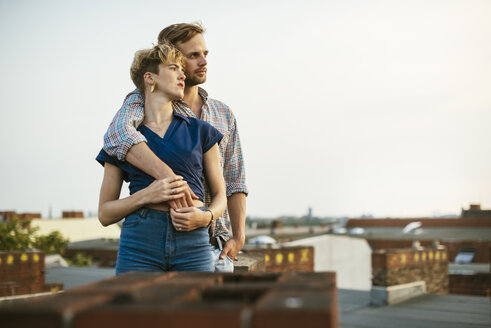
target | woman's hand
x=164, y=190
x=189, y=218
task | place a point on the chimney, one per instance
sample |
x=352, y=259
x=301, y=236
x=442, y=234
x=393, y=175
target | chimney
x=475, y=207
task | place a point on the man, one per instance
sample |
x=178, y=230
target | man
x=123, y=141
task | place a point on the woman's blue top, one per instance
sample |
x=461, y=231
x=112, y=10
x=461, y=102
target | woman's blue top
x=181, y=148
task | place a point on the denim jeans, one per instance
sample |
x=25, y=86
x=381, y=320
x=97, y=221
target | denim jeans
x=149, y=242
x=225, y=265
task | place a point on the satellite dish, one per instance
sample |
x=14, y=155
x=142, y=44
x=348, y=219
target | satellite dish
x=412, y=227
x=357, y=231
x=262, y=240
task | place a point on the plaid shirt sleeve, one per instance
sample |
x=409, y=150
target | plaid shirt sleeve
x=233, y=169
x=122, y=134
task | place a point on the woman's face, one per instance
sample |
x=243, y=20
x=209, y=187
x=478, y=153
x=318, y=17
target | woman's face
x=170, y=81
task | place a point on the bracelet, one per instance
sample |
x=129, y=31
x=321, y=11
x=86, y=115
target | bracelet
x=211, y=220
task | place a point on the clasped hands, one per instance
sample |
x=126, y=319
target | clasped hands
x=176, y=191
x=185, y=216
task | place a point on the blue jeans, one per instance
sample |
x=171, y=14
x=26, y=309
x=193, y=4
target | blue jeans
x=149, y=242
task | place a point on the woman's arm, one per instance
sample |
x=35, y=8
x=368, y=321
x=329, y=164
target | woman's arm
x=214, y=176
x=112, y=209
x=190, y=218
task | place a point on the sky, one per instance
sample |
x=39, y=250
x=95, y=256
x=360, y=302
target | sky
x=350, y=107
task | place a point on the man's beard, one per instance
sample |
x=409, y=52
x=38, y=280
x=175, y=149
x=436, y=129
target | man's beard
x=195, y=80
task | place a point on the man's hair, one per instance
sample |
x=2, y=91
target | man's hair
x=148, y=60
x=180, y=32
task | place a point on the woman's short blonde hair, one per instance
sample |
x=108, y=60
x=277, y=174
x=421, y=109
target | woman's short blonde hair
x=148, y=60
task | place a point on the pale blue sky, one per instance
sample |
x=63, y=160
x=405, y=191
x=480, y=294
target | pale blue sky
x=351, y=107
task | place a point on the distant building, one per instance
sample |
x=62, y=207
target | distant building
x=9, y=215
x=475, y=211
x=467, y=242
x=72, y=215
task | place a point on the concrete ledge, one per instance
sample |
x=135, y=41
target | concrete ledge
x=387, y=295
x=249, y=263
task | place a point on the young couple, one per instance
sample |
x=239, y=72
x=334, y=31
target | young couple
x=180, y=152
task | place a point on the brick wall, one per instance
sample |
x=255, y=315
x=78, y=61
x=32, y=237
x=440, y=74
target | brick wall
x=253, y=262
x=9, y=215
x=399, y=266
x=426, y=222
x=249, y=263
x=72, y=214
x=149, y=299
x=286, y=259
x=23, y=273
x=28, y=216
x=482, y=247
x=470, y=284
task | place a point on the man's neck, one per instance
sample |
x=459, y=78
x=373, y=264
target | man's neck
x=193, y=99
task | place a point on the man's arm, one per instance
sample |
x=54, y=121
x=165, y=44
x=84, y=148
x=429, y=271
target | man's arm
x=122, y=134
x=125, y=142
x=234, y=174
x=237, y=211
x=141, y=156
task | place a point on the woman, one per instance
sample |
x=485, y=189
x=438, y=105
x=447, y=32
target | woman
x=153, y=237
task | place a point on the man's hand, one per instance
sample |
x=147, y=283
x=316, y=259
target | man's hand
x=185, y=201
x=236, y=209
x=168, y=189
x=189, y=218
x=232, y=248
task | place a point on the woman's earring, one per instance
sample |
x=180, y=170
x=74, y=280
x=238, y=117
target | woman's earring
x=153, y=87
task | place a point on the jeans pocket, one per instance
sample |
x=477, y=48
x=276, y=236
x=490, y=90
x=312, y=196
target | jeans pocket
x=131, y=221
x=225, y=265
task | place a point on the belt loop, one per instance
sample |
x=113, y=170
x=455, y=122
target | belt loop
x=143, y=212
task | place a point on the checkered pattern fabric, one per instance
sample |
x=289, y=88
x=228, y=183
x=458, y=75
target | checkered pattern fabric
x=122, y=134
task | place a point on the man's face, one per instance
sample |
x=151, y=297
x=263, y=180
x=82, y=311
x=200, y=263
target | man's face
x=195, y=52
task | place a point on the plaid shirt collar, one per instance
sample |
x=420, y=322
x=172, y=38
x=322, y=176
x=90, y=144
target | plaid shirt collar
x=184, y=107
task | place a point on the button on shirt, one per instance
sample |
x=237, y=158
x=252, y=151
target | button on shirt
x=181, y=148
x=122, y=134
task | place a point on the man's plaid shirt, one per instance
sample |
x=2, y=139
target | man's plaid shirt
x=122, y=134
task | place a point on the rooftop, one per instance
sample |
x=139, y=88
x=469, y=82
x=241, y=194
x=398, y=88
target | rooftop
x=430, y=233
x=429, y=310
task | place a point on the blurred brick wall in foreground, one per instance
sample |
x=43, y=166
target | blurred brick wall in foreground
x=149, y=299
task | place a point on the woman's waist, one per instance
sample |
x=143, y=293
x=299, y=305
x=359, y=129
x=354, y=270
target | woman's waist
x=166, y=207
